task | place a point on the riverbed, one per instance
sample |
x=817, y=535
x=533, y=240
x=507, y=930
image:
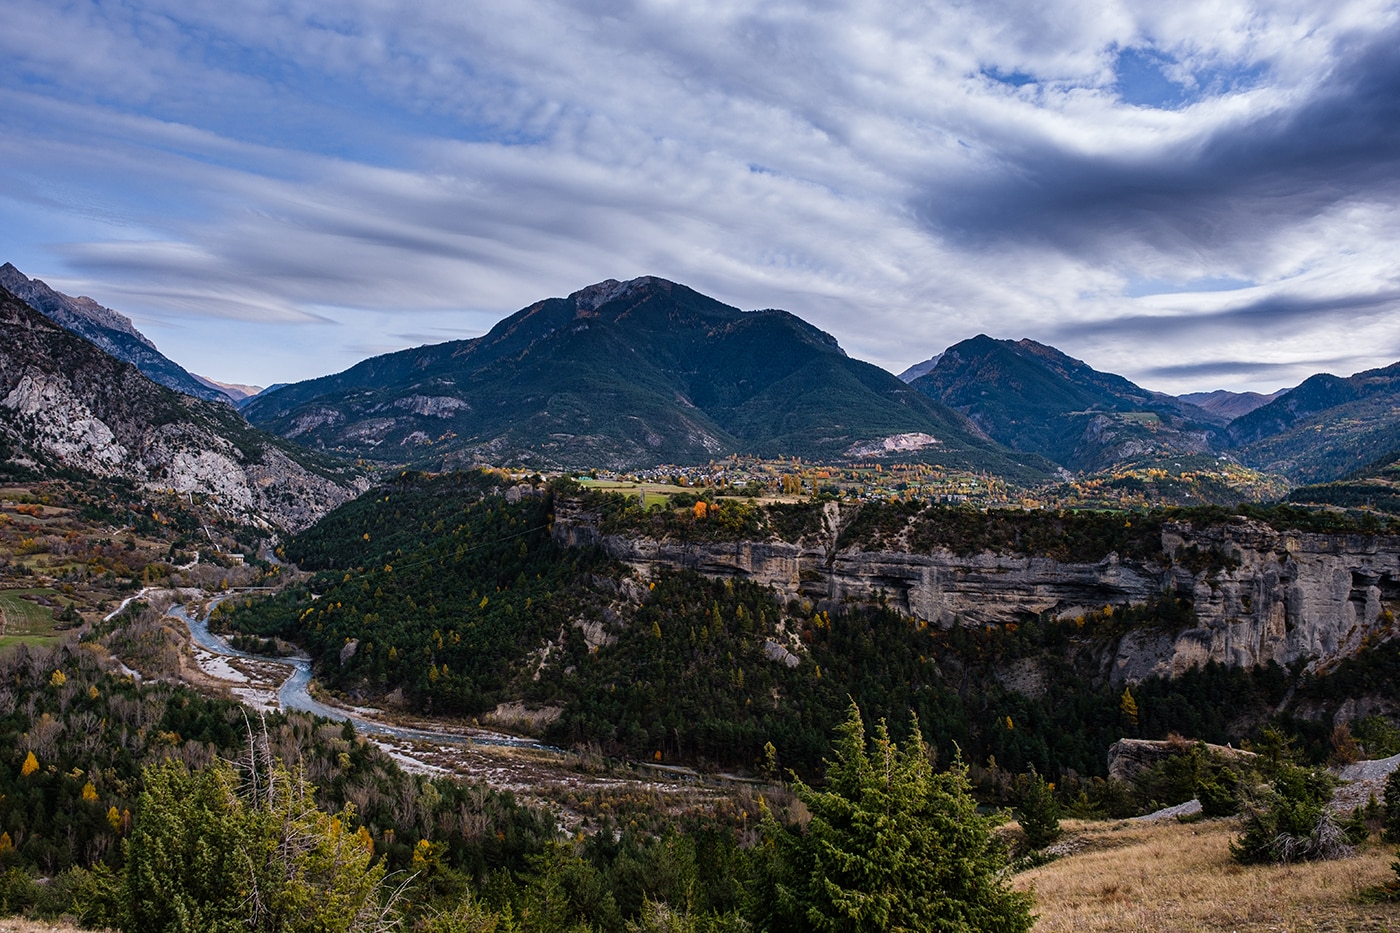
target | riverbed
x=524, y=765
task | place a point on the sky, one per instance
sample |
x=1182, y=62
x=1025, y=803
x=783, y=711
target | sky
x=1195, y=195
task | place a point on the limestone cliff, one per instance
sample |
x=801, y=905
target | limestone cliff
x=66, y=403
x=1260, y=594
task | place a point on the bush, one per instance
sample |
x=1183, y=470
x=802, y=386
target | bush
x=92, y=897
x=17, y=891
x=1290, y=822
x=1194, y=772
x=1391, y=832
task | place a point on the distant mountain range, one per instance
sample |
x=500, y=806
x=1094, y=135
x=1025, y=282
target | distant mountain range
x=233, y=391
x=1229, y=405
x=67, y=404
x=1036, y=399
x=631, y=374
x=628, y=375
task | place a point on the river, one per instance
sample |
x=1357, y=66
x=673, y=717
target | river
x=295, y=693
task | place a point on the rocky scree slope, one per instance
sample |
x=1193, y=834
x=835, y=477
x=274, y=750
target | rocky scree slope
x=624, y=375
x=1260, y=594
x=108, y=330
x=66, y=403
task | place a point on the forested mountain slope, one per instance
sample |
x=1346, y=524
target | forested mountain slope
x=1326, y=428
x=1034, y=398
x=453, y=591
x=627, y=374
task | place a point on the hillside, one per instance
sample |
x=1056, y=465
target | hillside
x=108, y=330
x=1326, y=428
x=1374, y=486
x=1228, y=405
x=704, y=634
x=1035, y=399
x=626, y=375
x=67, y=405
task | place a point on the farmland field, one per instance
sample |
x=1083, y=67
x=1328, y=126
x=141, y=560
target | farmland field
x=23, y=621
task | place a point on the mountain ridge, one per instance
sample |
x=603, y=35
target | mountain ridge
x=1035, y=398
x=66, y=403
x=111, y=331
x=1326, y=428
x=623, y=374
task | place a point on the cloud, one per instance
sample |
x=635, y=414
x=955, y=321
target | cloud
x=1282, y=311
x=1225, y=189
x=358, y=174
x=1283, y=373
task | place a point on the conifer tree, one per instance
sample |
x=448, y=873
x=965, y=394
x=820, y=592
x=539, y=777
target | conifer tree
x=891, y=845
x=1038, y=812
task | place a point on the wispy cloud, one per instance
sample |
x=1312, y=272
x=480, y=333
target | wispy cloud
x=359, y=174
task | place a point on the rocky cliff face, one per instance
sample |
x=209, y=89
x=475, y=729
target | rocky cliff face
x=64, y=402
x=1260, y=595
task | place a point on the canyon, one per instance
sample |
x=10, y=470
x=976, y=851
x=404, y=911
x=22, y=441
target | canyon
x=1260, y=594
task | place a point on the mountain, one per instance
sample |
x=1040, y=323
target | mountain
x=1326, y=428
x=1229, y=405
x=107, y=329
x=920, y=369
x=627, y=375
x=233, y=391
x=66, y=404
x=1035, y=399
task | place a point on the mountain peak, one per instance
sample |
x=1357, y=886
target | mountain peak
x=595, y=296
x=627, y=375
x=1033, y=397
x=64, y=309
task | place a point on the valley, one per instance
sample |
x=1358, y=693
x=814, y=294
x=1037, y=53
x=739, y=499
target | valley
x=534, y=627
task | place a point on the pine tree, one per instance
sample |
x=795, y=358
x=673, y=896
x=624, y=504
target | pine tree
x=891, y=845
x=1038, y=812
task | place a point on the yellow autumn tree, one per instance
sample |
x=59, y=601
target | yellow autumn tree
x=31, y=764
x=1128, y=707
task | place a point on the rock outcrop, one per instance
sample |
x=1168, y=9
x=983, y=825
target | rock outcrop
x=1261, y=595
x=1127, y=758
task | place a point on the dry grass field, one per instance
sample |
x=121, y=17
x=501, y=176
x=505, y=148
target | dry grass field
x=1170, y=876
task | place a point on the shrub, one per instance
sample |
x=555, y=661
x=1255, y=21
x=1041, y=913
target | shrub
x=1290, y=822
x=1391, y=832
